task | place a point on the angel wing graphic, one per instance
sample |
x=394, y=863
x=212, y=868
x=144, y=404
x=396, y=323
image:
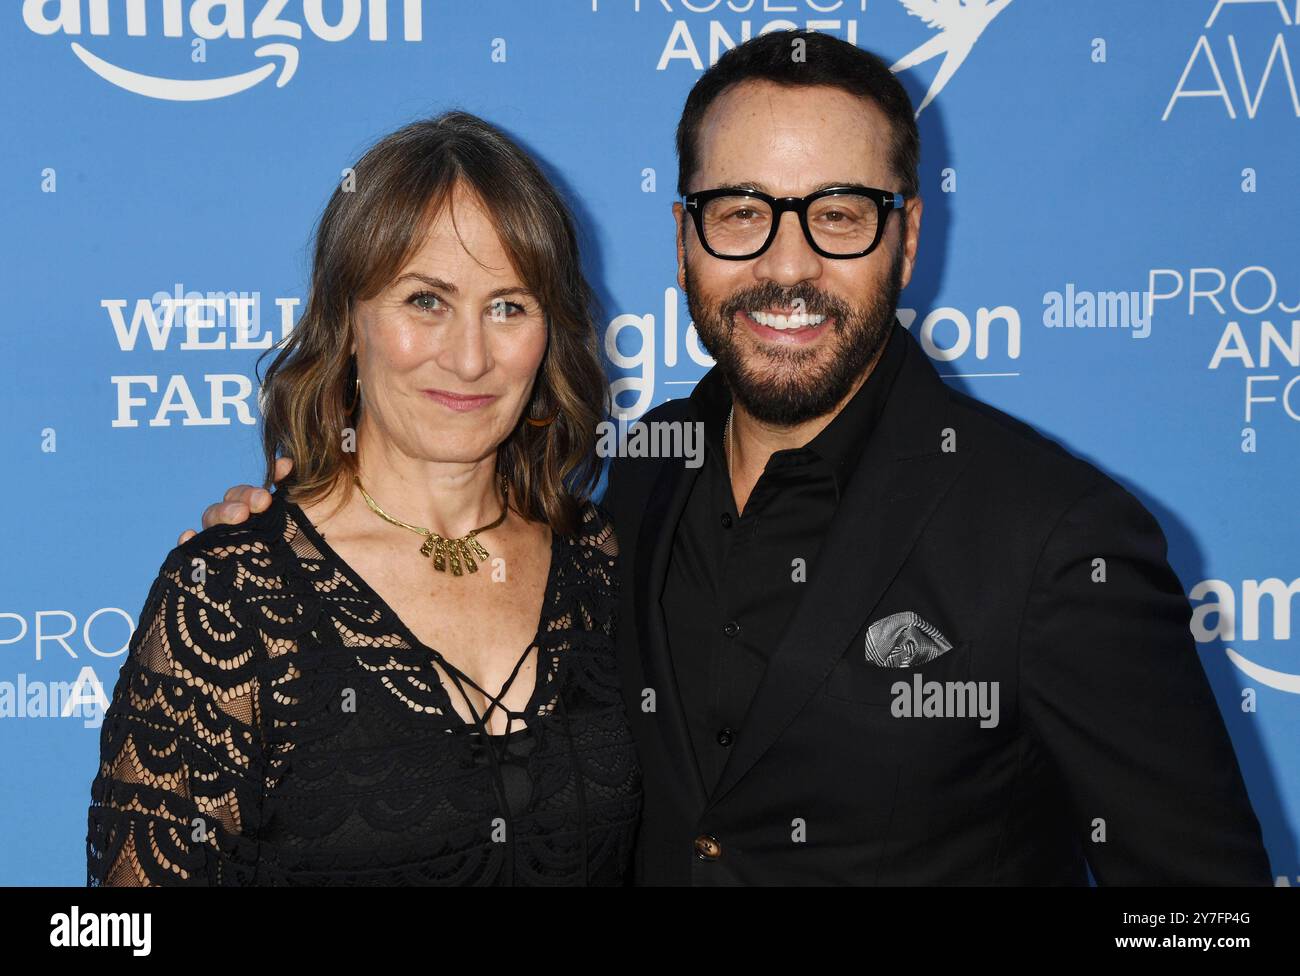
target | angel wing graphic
x=960, y=23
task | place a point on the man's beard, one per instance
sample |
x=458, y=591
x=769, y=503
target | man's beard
x=803, y=387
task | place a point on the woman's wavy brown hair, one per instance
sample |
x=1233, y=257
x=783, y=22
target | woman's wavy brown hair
x=371, y=226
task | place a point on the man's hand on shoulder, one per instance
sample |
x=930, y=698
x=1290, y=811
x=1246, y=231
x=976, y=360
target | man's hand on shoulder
x=240, y=502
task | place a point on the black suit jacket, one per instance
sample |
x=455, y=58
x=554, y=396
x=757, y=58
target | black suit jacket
x=1109, y=750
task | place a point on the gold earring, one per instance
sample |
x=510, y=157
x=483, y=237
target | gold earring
x=542, y=423
x=356, y=396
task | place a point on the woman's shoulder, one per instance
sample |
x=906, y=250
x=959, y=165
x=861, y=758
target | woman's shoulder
x=254, y=541
x=585, y=571
x=201, y=619
x=595, y=529
x=588, y=555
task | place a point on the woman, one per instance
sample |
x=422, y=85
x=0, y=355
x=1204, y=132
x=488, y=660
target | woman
x=402, y=671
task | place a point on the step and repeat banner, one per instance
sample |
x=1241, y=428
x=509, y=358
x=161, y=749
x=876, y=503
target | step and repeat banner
x=1108, y=252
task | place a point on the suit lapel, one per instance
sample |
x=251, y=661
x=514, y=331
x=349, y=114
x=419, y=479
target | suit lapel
x=899, y=481
x=653, y=551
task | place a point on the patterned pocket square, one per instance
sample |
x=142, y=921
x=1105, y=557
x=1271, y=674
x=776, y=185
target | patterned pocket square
x=904, y=640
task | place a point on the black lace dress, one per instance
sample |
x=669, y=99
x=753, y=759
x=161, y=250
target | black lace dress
x=275, y=723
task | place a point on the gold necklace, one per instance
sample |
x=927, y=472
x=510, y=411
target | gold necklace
x=446, y=551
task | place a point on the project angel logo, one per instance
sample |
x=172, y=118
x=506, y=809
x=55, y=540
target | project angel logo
x=960, y=24
x=231, y=20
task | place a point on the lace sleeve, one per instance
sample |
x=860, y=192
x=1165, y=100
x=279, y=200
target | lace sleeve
x=596, y=553
x=598, y=529
x=180, y=780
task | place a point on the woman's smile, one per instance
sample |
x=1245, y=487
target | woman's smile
x=461, y=402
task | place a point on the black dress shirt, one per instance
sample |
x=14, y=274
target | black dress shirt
x=734, y=580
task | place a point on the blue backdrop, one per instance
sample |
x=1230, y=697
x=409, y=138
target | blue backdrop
x=1108, y=253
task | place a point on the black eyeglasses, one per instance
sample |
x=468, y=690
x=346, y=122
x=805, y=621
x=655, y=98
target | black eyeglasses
x=838, y=222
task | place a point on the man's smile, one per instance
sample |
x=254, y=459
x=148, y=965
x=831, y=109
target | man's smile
x=793, y=328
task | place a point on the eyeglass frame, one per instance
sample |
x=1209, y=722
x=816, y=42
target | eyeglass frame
x=886, y=201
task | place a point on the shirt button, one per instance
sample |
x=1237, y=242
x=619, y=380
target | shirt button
x=731, y=628
x=726, y=520
x=707, y=848
x=725, y=737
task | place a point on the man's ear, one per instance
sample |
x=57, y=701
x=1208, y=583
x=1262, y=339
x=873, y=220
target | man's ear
x=912, y=215
x=679, y=220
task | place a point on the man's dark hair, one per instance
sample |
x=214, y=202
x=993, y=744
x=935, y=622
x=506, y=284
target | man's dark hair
x=826, y=61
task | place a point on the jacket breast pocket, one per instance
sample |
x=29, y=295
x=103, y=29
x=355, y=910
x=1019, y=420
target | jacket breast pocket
x=854, y=679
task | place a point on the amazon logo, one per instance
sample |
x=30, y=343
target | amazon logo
x=1219, y=616
x=264, y=21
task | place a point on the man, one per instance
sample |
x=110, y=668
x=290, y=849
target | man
x=886, y=634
